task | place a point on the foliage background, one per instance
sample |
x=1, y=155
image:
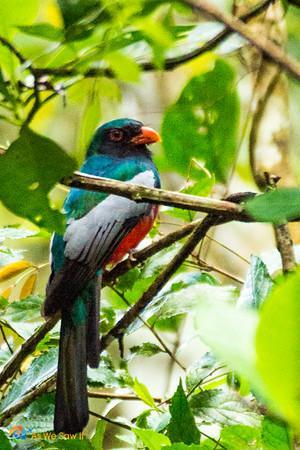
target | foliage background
x=225, y=117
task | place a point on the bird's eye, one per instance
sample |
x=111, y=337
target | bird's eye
x=116, y=135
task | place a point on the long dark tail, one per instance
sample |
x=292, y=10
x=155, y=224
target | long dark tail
x=92, y=340
x=71, y=404
x=79, y=346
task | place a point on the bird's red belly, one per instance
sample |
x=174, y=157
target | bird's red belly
x=135, y=236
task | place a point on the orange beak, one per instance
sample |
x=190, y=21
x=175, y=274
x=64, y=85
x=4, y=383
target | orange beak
x=146, y=136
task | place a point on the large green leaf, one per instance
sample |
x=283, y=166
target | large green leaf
x=38, y=416
x=75, y=10
x=275, y=435
x=4, y=441
x=241, y=437
x=275, y=206
x=41, y=368
x=143, y=393
x=24, y=316
x=203, y=123
x=152, y=439
x=43, y=30
x=223, y=407
x=17, y=12
x=278, y=348
x=175, y=299
x=35, y=163
x=97, y=439
x=106, y=375
x=182, y=426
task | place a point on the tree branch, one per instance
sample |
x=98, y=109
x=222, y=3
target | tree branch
x=262, y=43
x=140, y=193
x=199, y=232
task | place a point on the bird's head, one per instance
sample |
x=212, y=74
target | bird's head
x=122, y=137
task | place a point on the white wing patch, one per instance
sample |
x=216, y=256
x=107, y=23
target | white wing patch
x=83, y=234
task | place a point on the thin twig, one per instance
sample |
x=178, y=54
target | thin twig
x=117, y=396
x=151, y=329
x=6, y=340
x=111, y=421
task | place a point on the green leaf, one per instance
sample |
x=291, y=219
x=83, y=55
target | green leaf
x=277, y=346
x=156, y=420
x=43, y=30
x=4, y=441
x=18, y=12
x=74, y=10
x=146, y=349
x=257, y=286
x=200, y=370
x=97, y=439
x=182, y=426
x=230, y=333
x=182, y=301
x=223, y=407
x=143, y=393
x=275, y=206
x=38, y=416
x=124, y=67
x=15, y=233
x=202, y=186
x=275, y=435
x=168, y=303
x=106, y=375
x=40, y=369
x=203, y=123
x=38, y=163
x=241, y=437
x=152, y=439
x=24, y=316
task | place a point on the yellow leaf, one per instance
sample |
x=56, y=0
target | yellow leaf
x=6, y=293
x=28, y=286
x=202, y=64
x=13, y=269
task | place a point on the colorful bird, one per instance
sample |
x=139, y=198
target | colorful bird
x=101, y=229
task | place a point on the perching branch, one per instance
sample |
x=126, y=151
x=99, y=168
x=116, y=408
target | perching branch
x=140, y=193
x=262, y=43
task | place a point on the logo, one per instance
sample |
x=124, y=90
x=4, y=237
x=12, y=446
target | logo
x=19, y=432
